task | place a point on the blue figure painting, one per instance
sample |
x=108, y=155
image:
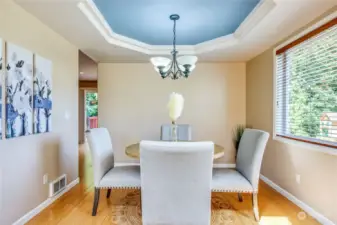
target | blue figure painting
x=42, y=95
x=19, y=92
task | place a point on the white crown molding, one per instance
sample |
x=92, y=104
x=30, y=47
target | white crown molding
x=166, y=49
x=90, y=10
x=258, y=13
x=117, y=164
x=318, y=216
x=93, y=14
x=28, y=216
x=218, y=43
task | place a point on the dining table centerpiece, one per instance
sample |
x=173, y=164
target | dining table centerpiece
x=175, y=107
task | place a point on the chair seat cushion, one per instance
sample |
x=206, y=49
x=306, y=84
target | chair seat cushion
x=229, y=180
x=121, y=177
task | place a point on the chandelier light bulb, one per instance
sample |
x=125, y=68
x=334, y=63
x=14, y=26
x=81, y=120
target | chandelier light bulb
x=187, y=60
x=160, y=61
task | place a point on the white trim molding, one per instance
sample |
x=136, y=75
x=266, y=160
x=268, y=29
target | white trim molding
x=127, y=164
x=95, y=17
x=319, y=217
x=254, y=18
x=28, y=216
x=305, y=145
x=308, y=30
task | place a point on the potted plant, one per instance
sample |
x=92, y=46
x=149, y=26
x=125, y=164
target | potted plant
x=237, y=134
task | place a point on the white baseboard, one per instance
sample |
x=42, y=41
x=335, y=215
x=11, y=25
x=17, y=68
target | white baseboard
x=216, y=165
x=127, y=164
x=319, y=217
x=28, y=216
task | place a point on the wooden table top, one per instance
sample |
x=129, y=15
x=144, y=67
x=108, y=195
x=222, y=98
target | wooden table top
x=133, y=151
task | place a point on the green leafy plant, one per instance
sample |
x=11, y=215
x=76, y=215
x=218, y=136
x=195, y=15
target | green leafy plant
x=237, y=134
x=91, y=104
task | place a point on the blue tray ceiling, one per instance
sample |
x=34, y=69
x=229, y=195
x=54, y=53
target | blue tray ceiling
x=200, y=20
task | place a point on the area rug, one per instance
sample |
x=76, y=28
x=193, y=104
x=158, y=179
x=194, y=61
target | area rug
x=226, y=209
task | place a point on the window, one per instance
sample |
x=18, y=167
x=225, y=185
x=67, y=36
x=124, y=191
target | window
x=91, y=104
x=306, y=87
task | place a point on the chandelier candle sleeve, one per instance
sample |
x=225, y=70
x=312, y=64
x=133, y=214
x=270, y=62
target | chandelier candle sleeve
x=177, y=67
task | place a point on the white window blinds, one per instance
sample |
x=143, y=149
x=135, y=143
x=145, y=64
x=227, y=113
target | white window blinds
x=306, y=88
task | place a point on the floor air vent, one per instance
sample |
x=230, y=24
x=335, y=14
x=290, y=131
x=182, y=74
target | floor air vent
x=57, y=185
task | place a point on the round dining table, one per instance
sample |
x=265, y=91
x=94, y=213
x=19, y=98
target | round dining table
x=134, y=152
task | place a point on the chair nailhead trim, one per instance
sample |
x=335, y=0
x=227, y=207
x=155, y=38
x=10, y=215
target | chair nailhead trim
x=233, y=191
x=119, y=187
x=214, y=190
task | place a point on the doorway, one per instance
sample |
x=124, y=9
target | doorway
x=88, y=114
x=91, y=109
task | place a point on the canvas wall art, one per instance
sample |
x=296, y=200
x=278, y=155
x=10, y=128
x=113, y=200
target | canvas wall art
x=1, y=79
x=19, y=91
x=42, y=95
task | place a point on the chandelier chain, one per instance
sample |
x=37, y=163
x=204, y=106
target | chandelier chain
x=173, y=69
x=174, y=36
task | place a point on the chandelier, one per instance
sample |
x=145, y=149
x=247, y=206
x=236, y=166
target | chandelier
x=177, y=67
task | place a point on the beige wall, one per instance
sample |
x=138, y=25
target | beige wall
x=23, y=161
x=87, y=67
x=282, y=161
x=133, y=100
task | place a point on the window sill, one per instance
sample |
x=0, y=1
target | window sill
x=309, y=146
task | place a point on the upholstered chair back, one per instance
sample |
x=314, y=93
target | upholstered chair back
x=251, y=149
x=176, y=182
x=101, y=152
x=184, y=132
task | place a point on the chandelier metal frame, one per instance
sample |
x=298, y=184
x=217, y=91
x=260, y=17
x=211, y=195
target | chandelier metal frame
x=173, y=70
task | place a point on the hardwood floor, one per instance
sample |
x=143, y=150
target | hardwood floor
x=75, y=206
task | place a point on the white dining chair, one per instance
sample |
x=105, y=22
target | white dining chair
x=245, y=178
x=106, y=175
x=176, y=182
x=184, y=132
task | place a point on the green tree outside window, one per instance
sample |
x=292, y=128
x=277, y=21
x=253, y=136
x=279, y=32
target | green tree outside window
x=91, y=104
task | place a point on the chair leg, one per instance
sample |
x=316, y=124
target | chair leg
x=255, y=207
x=240, y=197
x=108, y=193
x=96, y=200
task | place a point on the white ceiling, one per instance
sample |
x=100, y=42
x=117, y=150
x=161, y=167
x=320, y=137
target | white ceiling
x=287, y=16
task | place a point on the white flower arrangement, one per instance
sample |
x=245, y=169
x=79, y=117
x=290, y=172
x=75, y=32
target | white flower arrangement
x=175, y=106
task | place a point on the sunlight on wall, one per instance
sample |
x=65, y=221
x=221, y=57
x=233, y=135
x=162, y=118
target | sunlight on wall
x=274, y=220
